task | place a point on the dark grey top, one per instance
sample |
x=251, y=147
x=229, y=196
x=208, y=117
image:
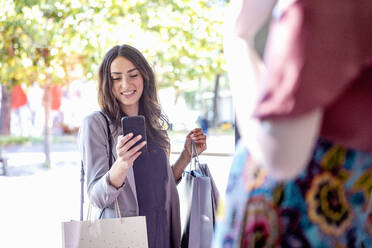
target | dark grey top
x=150, y=174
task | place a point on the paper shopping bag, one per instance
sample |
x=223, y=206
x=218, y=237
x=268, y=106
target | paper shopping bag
x=198, y=206
x=108, y=233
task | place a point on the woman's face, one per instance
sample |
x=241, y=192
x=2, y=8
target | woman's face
x=127, y=85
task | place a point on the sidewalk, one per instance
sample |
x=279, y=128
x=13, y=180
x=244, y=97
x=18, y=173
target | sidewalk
x=35, y=200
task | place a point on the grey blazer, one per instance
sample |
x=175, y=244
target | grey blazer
x=94, y=150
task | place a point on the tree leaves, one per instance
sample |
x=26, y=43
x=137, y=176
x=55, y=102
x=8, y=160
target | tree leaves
x=181, y=38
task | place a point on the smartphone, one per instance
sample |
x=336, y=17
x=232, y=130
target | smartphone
x=135, y=125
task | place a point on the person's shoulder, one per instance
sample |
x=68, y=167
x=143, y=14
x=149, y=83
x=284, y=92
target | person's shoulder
x=90, y=124
x=96, y=115
x=93, y=118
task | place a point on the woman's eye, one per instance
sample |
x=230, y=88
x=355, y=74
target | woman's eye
x=114, y=79
x=133, y=76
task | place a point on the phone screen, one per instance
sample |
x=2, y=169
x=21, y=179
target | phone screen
x=135, y=125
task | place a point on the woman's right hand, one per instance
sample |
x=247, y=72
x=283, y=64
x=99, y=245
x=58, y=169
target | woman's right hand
x=126, y=155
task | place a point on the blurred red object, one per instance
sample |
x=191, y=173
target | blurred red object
x=56, y=94
x=19, y=97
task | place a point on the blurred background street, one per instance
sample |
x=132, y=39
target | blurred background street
x=35, y=200
x=50, y=51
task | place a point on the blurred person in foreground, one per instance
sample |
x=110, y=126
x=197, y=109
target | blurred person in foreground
x=144, y=183
x=302, y=173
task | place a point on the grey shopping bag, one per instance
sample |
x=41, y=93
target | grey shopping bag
x=129, y=232
x=198, y=205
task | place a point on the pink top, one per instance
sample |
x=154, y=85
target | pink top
x=319, y=54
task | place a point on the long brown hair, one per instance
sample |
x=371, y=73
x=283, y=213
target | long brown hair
x=149, y=105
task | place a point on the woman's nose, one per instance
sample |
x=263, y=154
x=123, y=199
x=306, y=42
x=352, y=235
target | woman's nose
x=124, y=81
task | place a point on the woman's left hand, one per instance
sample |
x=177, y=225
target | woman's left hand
x=200, y=140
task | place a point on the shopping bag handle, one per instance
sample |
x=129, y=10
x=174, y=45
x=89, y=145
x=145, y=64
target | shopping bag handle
x=117, y=210
x=194, y=156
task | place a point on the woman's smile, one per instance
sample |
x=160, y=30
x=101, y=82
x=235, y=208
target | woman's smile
x=128, y=93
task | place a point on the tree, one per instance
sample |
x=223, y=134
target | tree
x=58, y=33
x=187, y=38
x=181, y=38
x=15, y=65
x=52, y=42
x=36, y=48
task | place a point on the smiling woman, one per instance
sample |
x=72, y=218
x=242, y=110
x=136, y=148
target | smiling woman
x=128, y=85
x=143, y=183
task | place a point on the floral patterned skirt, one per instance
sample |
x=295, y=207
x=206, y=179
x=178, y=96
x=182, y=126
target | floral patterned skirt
x=325, y=206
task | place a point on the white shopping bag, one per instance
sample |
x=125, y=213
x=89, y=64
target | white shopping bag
x=129, y=232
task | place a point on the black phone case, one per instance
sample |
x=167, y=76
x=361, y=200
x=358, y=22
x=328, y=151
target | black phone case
x=135, y=125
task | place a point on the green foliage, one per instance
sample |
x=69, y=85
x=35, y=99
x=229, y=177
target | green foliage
x=190, y=41
x=35, y=44
x=7, y=140
x=17, y=140
x=56, y=42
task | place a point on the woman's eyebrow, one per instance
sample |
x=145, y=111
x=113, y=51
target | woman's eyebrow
x=133, y=69
x=118, y=72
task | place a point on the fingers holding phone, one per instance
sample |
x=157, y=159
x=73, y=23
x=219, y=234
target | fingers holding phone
x=127, y=152
x=135, y=125
x=128, y=149
x=133, y=141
